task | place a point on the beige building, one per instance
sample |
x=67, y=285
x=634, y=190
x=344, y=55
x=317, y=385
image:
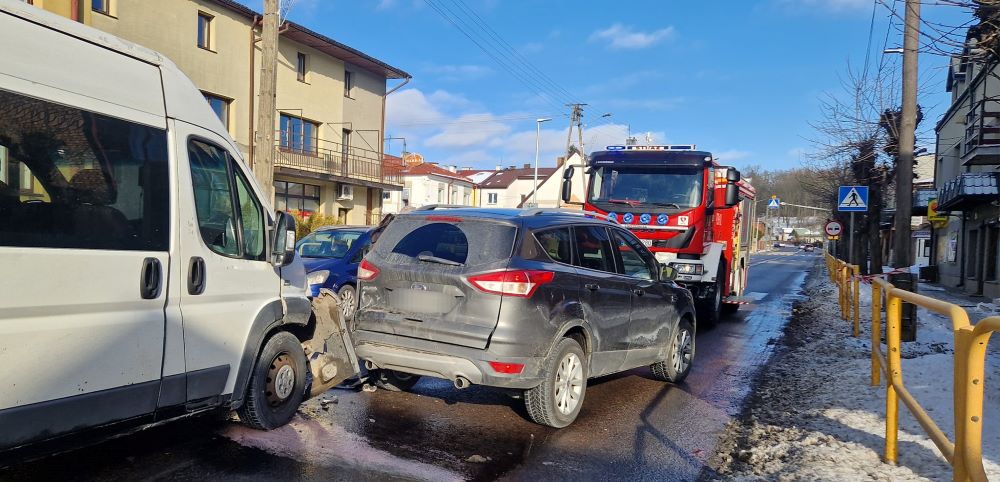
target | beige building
x=330, y=97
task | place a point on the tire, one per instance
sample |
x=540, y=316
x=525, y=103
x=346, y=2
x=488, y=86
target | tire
x=348, y=300
x=277, y=385
x=394, y=381
x=680, y=355
x=553, y=402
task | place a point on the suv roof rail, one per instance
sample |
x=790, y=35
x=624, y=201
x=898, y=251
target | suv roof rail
x=433, y=207
x=572, y=212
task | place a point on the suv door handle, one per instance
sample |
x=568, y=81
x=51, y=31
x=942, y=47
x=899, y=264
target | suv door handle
x=150, y=279
x=638, y=291
x=196, y=276
x=592, y=286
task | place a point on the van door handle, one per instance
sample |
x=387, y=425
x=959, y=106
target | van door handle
x=196, y=276
x=592, y=286
x=150, y=279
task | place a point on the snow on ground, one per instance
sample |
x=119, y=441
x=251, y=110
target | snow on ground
x=814, y=415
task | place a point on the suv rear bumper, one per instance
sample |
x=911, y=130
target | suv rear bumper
x=441, y=360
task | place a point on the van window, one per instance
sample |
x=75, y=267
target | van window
x=76, y=179
x=470, y=242
x=234, y=230
x=593, y=249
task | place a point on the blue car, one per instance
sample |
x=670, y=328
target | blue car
x=331, y=256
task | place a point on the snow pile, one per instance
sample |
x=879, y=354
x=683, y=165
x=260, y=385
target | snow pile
x=814, y=415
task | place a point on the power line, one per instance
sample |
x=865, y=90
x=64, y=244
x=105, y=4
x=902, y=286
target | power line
x=507, y=65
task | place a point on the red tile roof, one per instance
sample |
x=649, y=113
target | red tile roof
x=427, y=168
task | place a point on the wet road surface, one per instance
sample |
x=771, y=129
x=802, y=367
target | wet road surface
x=631, y=426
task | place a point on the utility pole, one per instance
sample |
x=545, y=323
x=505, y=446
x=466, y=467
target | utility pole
x=907, y=137
x=575, y=119
x=263, y=166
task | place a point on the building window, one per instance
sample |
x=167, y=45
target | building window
x=972, y=253
x=992, y=246
x=298, y=134
x=491, y=198
x=465, y=199
x=220, y=106
x=100, y=6
x=348, y=84
x=205, y=30
x=300, y=67
x=386, y=195
x=296, y=197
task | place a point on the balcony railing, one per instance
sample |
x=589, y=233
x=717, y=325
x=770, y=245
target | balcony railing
x=982, y=134
x=333, y=158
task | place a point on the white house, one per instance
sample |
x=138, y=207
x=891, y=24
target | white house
x=428, y=183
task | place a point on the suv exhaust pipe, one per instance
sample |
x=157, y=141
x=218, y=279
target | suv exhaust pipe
x=462, y=383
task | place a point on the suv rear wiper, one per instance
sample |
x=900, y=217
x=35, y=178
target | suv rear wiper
x=434, y=259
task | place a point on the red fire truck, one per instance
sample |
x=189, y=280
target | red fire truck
x=692, y=213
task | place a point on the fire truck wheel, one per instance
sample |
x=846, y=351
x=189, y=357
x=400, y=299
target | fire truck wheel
x=711, y=310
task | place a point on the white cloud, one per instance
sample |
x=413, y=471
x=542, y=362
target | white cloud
x=470, y=130
x=411, y=107
x=620, y=36
x=732, y=155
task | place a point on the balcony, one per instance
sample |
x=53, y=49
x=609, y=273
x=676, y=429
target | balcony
x=982, y=135
x=969, y=190
x=332, y=161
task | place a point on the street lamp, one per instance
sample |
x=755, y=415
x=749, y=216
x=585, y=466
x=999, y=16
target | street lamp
x=538, y=133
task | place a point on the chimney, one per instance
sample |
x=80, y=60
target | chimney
x=560, y=161
x=527, y=166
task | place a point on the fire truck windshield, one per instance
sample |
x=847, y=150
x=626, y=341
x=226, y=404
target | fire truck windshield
x=643, y=186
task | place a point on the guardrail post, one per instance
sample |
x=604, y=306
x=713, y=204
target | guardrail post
x=842, y=285
x=970, y=361
x=892, y=335
x=856, y=281
x=876, y=332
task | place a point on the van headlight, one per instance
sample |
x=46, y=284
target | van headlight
x=317, y=278
x=688, y=268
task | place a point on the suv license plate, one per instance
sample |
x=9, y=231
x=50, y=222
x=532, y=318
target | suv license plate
x=647, y=242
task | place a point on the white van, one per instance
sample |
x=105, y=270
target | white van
x=143, y=275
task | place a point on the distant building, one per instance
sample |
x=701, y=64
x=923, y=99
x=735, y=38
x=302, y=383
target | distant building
x=510, y=187
x=428, y=183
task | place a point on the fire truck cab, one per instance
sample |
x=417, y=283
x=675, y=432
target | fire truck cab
x=690, y=212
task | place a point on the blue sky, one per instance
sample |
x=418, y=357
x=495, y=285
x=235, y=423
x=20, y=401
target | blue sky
x=741, y=78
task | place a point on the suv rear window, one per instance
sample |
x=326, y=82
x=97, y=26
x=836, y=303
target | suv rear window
x=469, y=242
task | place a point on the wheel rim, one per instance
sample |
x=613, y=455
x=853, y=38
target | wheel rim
x=347, y=302
x=683, y=349
x=569, y=384
x=280, y=380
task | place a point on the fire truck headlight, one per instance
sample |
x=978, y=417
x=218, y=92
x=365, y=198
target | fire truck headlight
x=688, y=268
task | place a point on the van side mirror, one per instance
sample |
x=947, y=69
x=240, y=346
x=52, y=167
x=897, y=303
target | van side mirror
x=567, y=190
x=283, y=240
x=667, y=272
x=568, y=172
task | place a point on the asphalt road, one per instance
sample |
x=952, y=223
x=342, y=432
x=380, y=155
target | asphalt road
x=631, y=426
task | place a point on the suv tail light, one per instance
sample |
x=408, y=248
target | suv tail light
x=520, y=283
x=367, y=271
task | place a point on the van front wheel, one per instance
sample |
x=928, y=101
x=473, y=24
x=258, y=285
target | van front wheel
x=277, y=385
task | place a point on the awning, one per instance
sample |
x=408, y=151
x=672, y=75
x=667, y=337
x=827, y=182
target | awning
x=969, y=190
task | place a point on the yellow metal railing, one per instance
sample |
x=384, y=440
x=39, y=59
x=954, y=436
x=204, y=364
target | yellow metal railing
x=965, y=455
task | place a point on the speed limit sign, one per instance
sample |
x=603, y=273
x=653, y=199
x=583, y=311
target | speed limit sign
x=834, y=228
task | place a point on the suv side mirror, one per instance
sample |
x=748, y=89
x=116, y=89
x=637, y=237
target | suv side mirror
x=667, y=272
x=283, y=240
x=567, y=190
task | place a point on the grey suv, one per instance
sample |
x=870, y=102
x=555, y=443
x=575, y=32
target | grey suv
x=539, y=300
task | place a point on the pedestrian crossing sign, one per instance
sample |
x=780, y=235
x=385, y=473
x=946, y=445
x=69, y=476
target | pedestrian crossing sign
x=852, y=198
x=774, y=203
